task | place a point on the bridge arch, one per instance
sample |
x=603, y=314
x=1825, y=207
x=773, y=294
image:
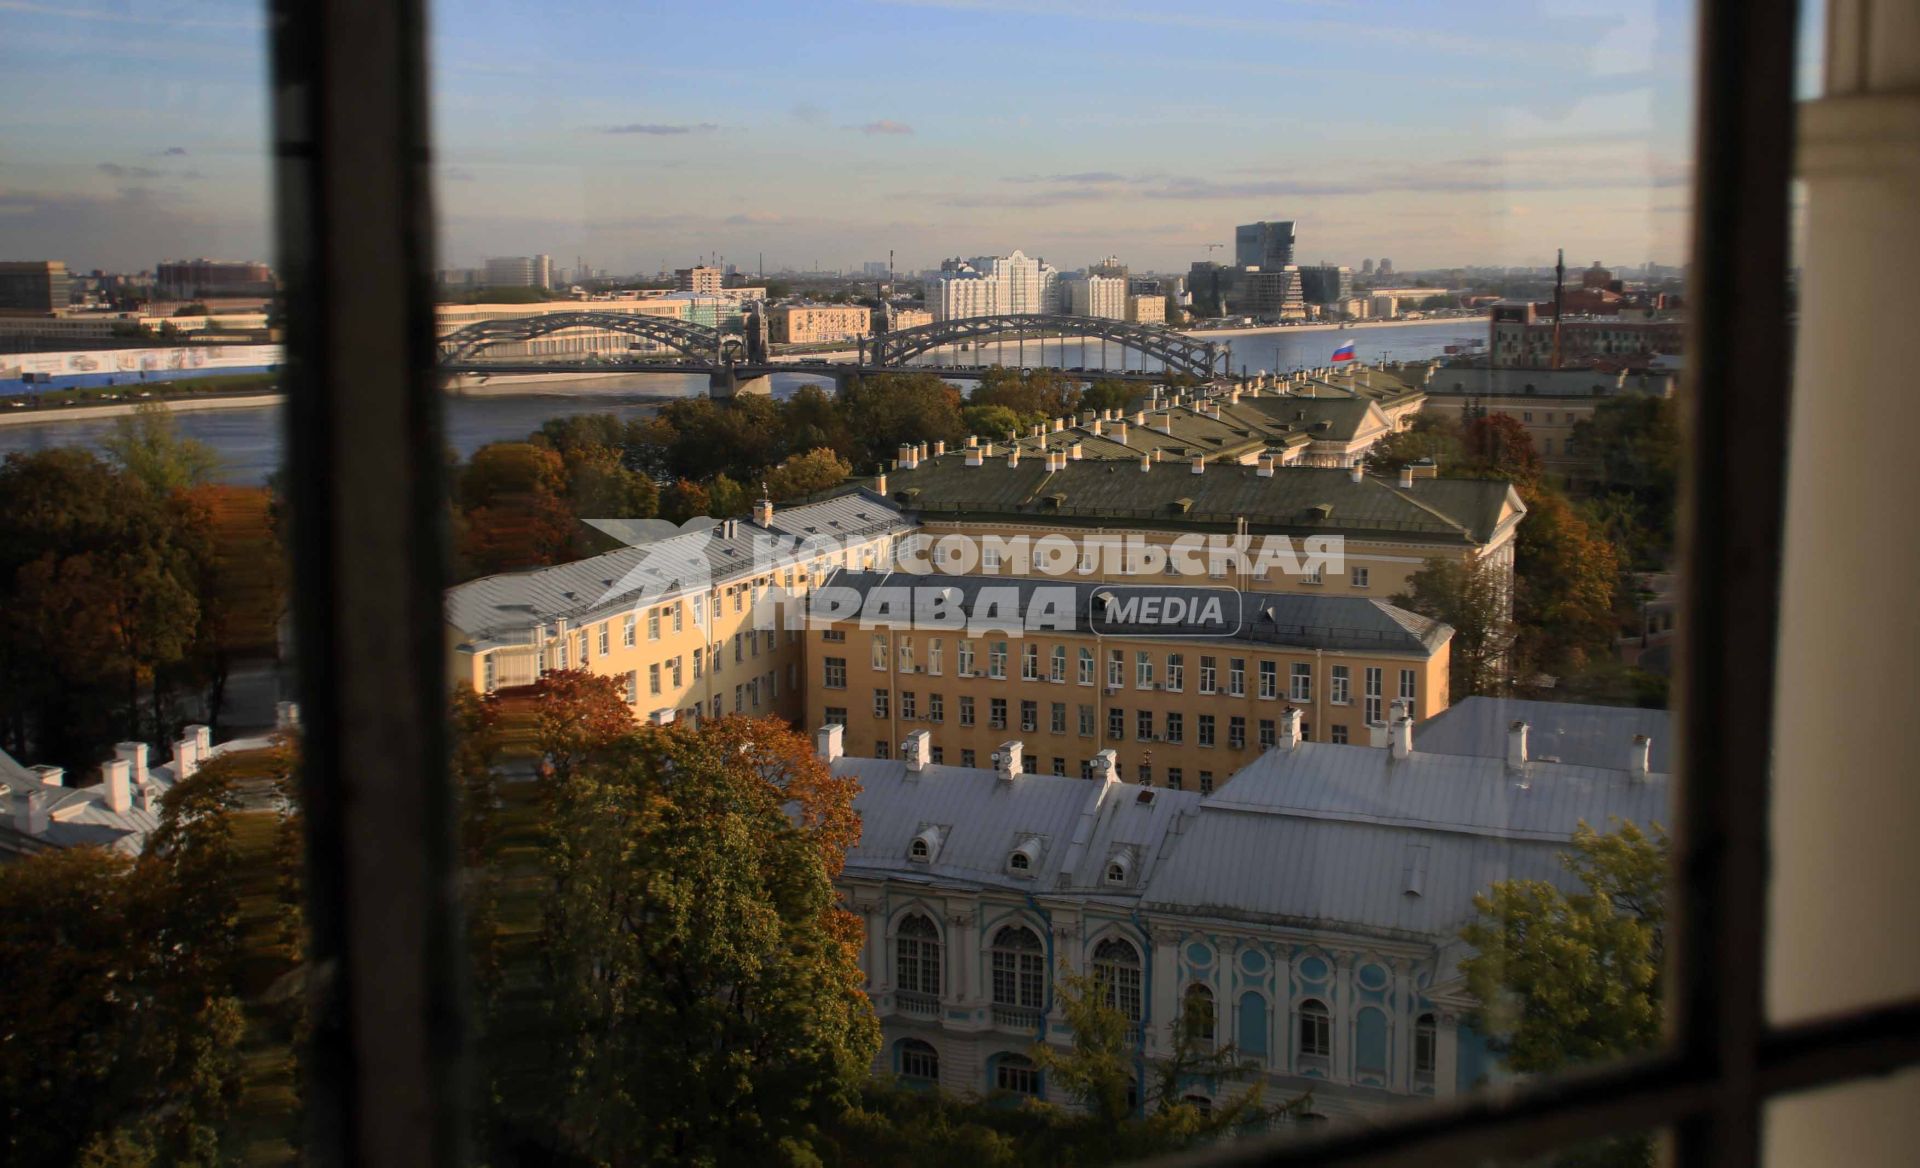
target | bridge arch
x=697, y=343
x=1177, y=351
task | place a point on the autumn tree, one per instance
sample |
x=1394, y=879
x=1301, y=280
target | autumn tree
x=1498, y=446
x=1473, y=597
x=1565, y=584
x=684, y=500
x=1431, y=436
x=1032, y=394
x=704, y=985
x=515, y=515
x=805, y=474
x=889, y=410
x=1108, y=394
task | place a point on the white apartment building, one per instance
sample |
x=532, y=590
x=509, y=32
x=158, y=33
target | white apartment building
x=1102, y=296
x=994, y=286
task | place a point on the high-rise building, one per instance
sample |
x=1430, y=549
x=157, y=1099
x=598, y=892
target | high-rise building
x=34, y=286
x=703, y=279
x=1111, y=266
x=874, y=269
x=993, y=286
x=535, y=271
x=1326, y=283
x=1101, y=296
x=187, y=279
x=1263, y=244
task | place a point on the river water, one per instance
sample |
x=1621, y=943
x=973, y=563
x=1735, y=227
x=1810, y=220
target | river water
x=248, y=439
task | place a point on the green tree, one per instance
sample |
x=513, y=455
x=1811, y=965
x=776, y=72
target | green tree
x=1034, y=394
x=805, y=474
x=148, y=446
x=1565, y=585
x=889, y=410
x=727, y=499
x=1108, y=394
x=1432, y=436
x=706, y=1002
x=991, y=421
x=1473, y=598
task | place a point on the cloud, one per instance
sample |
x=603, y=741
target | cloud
x=174, y=152
x=662, y=129
x=884, y=126
x=806, y=111
x=115, y=170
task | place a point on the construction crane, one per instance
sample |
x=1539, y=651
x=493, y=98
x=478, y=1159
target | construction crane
x=1212, y=246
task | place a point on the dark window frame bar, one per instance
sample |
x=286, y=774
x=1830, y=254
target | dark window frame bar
x=388, y=1057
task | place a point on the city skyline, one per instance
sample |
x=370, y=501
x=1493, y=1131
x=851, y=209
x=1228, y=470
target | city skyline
x=642, y=139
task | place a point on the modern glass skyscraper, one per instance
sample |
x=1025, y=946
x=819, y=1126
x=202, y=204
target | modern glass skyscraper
x=1263, y=244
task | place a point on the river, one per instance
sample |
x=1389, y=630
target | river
x=248, y=439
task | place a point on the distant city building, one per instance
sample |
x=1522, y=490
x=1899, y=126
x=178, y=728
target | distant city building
x=534, y=271
x=1326, y=283
x=703, y=279
x=1101, y=296
x=807, y=324
x=993, y=286
x=195, y=279
x=1520, y=337
x=1548, y=403
x=906, y=318
x=875, y=269
x=1385, y=269
x=1596, y=277
x=36, y=286
x=1110, y=266
x=1366, y=267
x=1146, y=309
x=1263, y=245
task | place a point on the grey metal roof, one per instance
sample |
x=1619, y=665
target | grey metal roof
x=514, y=602
x=1293, y=619
x=1468, y=379
x=1320, y=836
x=79, y=816
x=1572, y=732
x=1295, y=500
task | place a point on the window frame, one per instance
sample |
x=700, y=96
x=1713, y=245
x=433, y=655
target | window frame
x=390, y=1050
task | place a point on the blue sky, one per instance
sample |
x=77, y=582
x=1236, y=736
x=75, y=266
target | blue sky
x=831, y=130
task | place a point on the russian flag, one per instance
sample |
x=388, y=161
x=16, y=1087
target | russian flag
x=1344, y=352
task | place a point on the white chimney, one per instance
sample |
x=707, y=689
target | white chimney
x=1120, y=433
x=1265, y=469
x=917, y=751
x=986, y=450
x=50, y=776
x=1166, y=424
x=908, y=457
x=286, y=715
x=134, y=754
x=1517, y=745
x=1357, y=473
x=1638, y=756
x=973, y=440
x=202, y=741
x=1400, y=736
x=1377, y=734
x=32, y=812
x=1146, y=463
x=939, y=447
x=1013, y=455
x=763, y=509
x=1099, y=427
x=880, y=483
x=827, y=740
x=1233, y=397
x=973, y=456
x=144, y=797
x=113, y=782
x=1106, y=767
x=1007, y=761
x=186, y=758
x=1059, y=424
x=1406, y=478
x=1074, y=452
x=1199, y=464
x=1290, y=728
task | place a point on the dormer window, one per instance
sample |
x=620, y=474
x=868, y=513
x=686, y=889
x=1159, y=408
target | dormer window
x=1019, y=862
x=925, y=847
x=1120, y=869
x=1024, y=859
x=920, y=850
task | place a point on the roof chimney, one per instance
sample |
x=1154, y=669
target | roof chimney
x=134, y=754
x=50, y=776
x=1517, y=745
x=185, y=757
x=880, y=483
x=827, y=740
x=286, y=715
x=1377, y=734
x=1265, y=469
x=1146, y=463
x=1099, y=428
x=1007, y=762
x=939, y=447
x=1400, y=736
x=917, y=750
x=909, y=457
x=974, y=456
x=1074, y=452
x=1013, y=455
x=1406, y=478
x=973, y=440
x=1120, y=433
x=1357, y=473
x=1637, y=756
x=1199, y=464
x=1290, y=728
x=1059, y=424
x=1106, y=766
x=763, y=508
x=202, y=740
x=113, y=781
x=32, y=812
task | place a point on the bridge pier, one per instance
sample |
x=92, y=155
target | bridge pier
x=723, y=384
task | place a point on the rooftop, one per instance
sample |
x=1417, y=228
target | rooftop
x=1571, y=732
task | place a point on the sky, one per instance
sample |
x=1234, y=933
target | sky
x=638, y=135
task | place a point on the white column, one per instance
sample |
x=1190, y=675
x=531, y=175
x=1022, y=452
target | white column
x=1162, y=957
x=963, y=954
x=1446, y=1055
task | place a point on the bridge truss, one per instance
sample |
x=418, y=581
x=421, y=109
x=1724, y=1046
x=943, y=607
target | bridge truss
x=699, y=344
x=1177, y=352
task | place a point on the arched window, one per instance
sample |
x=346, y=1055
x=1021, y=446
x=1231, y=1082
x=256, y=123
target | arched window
x=1196, y=1013
x=1370, y=1041
x=1019, y=969
x=1426, y=1048
x=1116, y=968
x=919, y=1062
x=1018, y=862
x=1316, y=1033
x=917, y=956
x=1016, y=1073
x=919, y=850
x=1199, y=1103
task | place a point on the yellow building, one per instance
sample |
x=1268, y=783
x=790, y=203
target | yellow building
x=690, y=624
x=812, y=324
x=1089, y=667
x=1146, y=309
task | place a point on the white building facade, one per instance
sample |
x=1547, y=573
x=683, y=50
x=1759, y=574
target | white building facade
x=1101, y=296
x=1313, y=905
x=994, y=286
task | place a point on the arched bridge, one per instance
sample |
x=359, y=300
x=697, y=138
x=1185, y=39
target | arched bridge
x=1176, y=352
x=696, y=343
